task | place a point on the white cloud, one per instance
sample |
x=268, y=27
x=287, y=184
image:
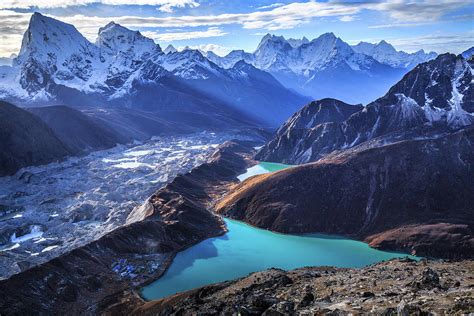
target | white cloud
x=275, y=5
x=418, y=10
x=440, y=43
x=217, y=49
x=164, y=5
x=179, y=36
x=284, y=17
x=291, y=15
x=346, y=18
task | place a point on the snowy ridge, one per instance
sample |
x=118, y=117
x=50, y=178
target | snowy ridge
x=170, y=49
x=316, y=67
x=457, y=116
x=189, y=64
x=385, y=53
x=303, y=56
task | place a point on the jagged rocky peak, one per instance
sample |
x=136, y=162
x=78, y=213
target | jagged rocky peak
x=114, y=39
x=292, y=142
x=272, y=42
x=46, y=35
x=434, y=98
x=170, y=49
x=52, y=49
x=322, y=111
x=442, y=87
x=296, y=42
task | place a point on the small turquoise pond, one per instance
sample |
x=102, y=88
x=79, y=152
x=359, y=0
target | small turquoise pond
x=245, y=249
x=261, y=168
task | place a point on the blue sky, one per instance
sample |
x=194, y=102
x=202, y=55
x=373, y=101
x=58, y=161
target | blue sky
x=219, y=25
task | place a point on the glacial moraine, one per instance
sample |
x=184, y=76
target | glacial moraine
x=51, y=209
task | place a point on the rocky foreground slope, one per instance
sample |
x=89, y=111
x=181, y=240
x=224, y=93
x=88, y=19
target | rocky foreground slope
x=397, y=287
x=412, y=196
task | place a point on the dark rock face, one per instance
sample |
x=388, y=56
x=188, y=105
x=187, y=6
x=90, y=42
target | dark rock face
x=290, y=143
x=26, y=140
x=380, y=289
x=96, y=277
x=76, y=130
x=434, y=97
x=365, y=192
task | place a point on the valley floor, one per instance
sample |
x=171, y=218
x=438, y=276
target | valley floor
x=396, y=287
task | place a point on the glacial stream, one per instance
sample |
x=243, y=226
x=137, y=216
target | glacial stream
x=245, y=249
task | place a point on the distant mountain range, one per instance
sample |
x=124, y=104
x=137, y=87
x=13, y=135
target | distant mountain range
x=57, y=65
x=329, y=67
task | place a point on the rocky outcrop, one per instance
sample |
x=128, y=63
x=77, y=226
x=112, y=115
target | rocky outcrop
x=414, y=196
x=397, y=287
x=291, y=142
x=103, y=274
x=433, y=98
x=26, y=140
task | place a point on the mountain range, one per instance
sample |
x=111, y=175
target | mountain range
x=435, y=97
x=329, y=67
x=58, y=65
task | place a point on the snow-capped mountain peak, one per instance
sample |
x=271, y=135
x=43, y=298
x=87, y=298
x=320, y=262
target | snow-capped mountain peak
x=114, y=39
x=385, y=53
x=170, y=49
x=383, y=45
x=297, y=42
x=272, y=42
x=46, y=35
x=53, y=50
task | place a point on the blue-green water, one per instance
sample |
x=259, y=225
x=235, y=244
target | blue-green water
x=261, y=168
x=245, y=249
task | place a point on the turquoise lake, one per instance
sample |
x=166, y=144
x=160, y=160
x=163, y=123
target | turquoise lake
x=245, y=249
x=261, y=168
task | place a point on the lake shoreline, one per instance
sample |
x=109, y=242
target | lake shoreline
x=229, y=254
